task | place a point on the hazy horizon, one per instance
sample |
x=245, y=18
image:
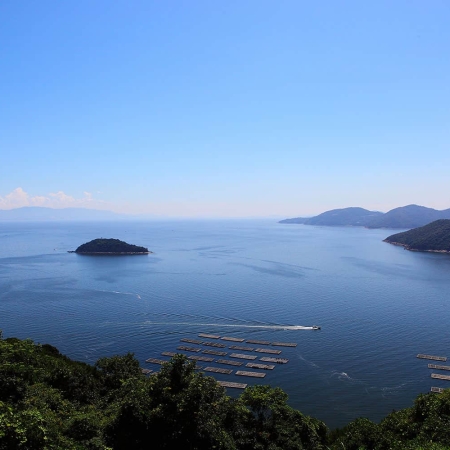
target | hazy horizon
x=236, y=109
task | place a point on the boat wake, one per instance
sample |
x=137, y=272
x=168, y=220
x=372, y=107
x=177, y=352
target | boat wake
x=263, y=327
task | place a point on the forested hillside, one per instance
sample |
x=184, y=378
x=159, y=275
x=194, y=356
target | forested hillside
x=48, y=401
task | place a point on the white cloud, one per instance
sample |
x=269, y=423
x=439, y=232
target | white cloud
x=19, y=198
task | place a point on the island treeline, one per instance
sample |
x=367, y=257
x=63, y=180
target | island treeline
x=110, y=246
x=434, y=237
x=409, y=216
x=48, y=401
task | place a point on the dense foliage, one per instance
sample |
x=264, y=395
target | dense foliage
x=434, y=236
x=109, y=246
x=48, y=401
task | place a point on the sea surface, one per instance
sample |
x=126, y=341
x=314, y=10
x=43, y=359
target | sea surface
x=378, y=305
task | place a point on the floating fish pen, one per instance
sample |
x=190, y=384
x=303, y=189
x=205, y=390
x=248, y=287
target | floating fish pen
x=243, y=349
x=146, y=371
x=243, y=373
x=268, y=350
x=209, y=336
x=232, y=339
x=189, y=349
x=241, y=356
x=201, y=358
x=228, y=362
x=155, y=361
x=440, y=377
x=214, y=344
x=171, y=354
x=191, y=341
x=229, y=384
x=275, y=360
x=218, y=370
x=214, y=352
x=435, y=358
x=284, y=344
x=260, y=366
x=437, y=389
x=251, y=341
x=434, y=366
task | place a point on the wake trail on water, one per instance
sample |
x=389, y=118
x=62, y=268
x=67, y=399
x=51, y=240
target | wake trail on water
x=118, y=292
x=228, y=325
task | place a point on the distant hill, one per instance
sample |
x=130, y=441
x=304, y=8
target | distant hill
x=36, y=213
x=410, y=216
x=352, y=216
x=110, y=246
x=434, y=237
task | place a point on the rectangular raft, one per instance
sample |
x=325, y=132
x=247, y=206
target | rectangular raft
x=268, y=350
x=192, y=341
x=440, y=377
x=188, y=349
x=284, y=344
x=435, y=366
x=260, y=366
x=435, y=358
x=228, y=362
x=229, y=384
x=241, y=356
x=214, y=352
x=218, y=370
x=171, y=354
x=201, y=358
x=232, y=339
x=209, y=336
x=239, y=347
x=275, y=360
x=155, y=361
x=214, y=344
x=437, y=389
x=244, y=373
x=251, y=341
x=146, y=371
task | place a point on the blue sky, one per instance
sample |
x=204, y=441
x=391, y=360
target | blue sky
x=236, y=108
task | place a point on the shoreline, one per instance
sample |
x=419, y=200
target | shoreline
x=407, y=247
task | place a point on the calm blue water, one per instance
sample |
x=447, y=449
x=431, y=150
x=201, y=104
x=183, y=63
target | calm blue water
x=378, y=304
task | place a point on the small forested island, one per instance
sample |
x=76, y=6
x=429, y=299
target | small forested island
x=110, y=247
x=48, y=401
x=434, y=237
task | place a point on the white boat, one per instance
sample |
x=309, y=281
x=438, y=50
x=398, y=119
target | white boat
x=315, y=327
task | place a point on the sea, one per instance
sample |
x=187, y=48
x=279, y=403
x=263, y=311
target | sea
x=378, y=305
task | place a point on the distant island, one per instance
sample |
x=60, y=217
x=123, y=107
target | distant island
x=410, y=216
x=434, y=237
x=110, y=247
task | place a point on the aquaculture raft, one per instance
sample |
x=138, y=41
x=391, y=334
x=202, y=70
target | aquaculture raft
x=214, y=344
x=201, y=358
x=214, y=352
x=440, y=377
x=230, y=363
x=209, y=336
x=275, y=360
x=191, y=341
x=146, y=371
x=188, y=349
x=250, y=374
x=434, y=366
x=218, y=370
x=171, y=354
x=155, y=361
x=268, y=350
x=435, y=358
x=232, y=339
x=232, y=385
x=437, y=389
x=284, y=344
x=251, y=341
x=243, y=349
x=240, y=356
x=260, y=366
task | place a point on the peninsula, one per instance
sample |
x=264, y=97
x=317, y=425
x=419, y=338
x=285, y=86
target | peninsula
x=434, y=237
x=110, y=247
